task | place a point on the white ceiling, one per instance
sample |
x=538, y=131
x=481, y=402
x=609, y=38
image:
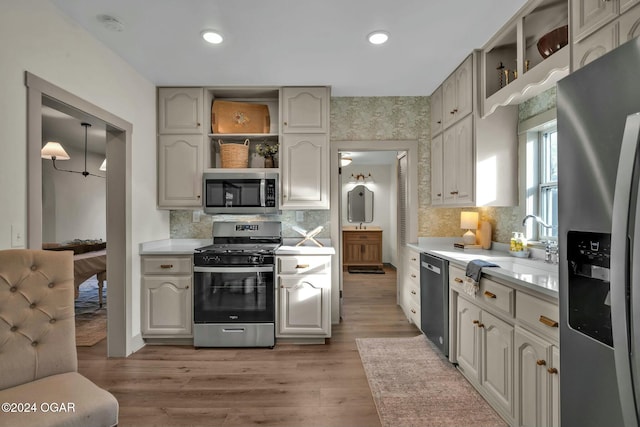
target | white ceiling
x=297, y=42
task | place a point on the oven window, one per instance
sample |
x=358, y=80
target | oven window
x=233, y=192
x=233, y=297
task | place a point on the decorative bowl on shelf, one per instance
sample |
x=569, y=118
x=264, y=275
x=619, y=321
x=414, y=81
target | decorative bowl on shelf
x=520, y=254
x=553, y=41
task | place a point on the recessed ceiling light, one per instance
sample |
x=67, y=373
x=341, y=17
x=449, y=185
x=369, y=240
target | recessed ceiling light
x=212, y=37
x=378, y=37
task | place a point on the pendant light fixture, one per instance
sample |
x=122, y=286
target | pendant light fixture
x=54, y=151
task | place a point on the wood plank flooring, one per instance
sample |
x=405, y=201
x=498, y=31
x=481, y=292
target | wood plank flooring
x=291, y=385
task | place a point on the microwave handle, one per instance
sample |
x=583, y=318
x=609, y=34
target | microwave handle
x=263, y=192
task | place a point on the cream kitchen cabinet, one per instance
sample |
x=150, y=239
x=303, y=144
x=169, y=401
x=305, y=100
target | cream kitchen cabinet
x=304, y=167
x=591, y=15
x=180, y=147
x=537, y=379
x=457, y=163
x=437, y=170
x=457, y=93
x=167, y=296
x=409, y=293
x=475, y=160
x=505, y=341
x=180, y=110
x=305, y=109
x=303, y=297
x=484, y=352
x=436, y=111
x=512, y=70
x=607, y=37
x=180, y=166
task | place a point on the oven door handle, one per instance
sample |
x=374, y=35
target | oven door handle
x=197, y=269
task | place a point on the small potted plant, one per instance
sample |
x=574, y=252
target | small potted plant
x=268, y=152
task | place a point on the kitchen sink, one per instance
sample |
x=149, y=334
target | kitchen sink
x=526, y=266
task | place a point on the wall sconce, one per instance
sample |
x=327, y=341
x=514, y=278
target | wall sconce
x=54, y=151
x=469, y=221
x=361, y=177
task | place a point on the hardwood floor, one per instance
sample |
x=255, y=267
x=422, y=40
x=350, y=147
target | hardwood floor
x=291, y=385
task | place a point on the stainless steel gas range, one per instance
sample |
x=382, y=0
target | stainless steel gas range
x=234, y=286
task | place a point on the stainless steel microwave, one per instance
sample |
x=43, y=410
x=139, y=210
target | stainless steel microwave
x=240, y=192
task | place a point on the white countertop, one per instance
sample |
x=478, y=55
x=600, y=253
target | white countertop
x=530, y=273
x=188, y=246
x=172, y=246
x=309, y=248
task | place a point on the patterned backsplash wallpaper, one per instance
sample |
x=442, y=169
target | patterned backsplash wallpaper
x=385, y=118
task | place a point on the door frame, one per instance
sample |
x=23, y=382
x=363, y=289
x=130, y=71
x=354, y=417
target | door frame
x=118, y=153
x=411, y=147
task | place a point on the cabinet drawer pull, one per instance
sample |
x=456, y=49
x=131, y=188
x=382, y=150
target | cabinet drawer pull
x=302, y=266
x=439, y=121
x=439, y=194
x=166, y=266
x=413, y=275
x=549, y=322
x=458, y=280
x=413, y=311
x=186, y=287
x=480, y=325
x=476, y=322
x=552, y=371
x=413, y=259
x=541, y=362
x=489, y=294
x=414, y=292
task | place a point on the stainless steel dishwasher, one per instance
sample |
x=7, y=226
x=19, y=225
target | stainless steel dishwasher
x=434, y=300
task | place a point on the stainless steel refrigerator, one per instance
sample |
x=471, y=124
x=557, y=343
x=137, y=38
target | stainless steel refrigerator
x=598, y=109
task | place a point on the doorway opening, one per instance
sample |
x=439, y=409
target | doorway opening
x=397, y=210
x=118, y=194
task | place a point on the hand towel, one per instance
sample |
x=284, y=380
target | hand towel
x=473, y=273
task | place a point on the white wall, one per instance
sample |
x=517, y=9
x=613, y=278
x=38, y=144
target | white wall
x=37, y=38
x=73, y=206
x=384, y=187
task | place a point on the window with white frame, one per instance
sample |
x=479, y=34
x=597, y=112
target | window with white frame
x=541, y=178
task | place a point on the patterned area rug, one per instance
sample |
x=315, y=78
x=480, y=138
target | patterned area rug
x=91, y=320
x=413, y=385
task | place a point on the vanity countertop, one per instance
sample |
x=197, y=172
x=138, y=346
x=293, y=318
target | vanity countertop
x=364, y=228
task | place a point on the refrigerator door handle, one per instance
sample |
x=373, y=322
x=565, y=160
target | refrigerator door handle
x=620, y=279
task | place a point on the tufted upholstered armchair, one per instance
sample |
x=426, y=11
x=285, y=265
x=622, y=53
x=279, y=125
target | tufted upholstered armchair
x=38, y=359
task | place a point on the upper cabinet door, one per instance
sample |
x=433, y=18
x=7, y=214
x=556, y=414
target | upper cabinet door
x=457, y=93
x=464, y=88
x=180, y=171
x=627, y=4
x=436, y=111
x=180, y=110
x=589, y=15
x=305, y=172
x=305, y=109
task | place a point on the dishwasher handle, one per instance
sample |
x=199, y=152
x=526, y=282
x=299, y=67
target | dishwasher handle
x=430, y=267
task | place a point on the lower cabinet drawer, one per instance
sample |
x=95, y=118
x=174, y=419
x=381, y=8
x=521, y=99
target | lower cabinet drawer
x=497, y=296
x=167, y=265
x=538, y=314
x=304, y=264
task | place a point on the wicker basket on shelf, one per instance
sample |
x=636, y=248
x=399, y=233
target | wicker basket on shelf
x=234, y=155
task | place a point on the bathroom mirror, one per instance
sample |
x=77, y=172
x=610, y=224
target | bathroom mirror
x=360, y=204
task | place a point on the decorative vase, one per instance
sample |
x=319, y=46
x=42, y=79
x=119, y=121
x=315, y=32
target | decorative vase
x=268, y=162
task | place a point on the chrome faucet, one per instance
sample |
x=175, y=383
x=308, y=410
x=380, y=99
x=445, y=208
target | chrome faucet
x=538, y=220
